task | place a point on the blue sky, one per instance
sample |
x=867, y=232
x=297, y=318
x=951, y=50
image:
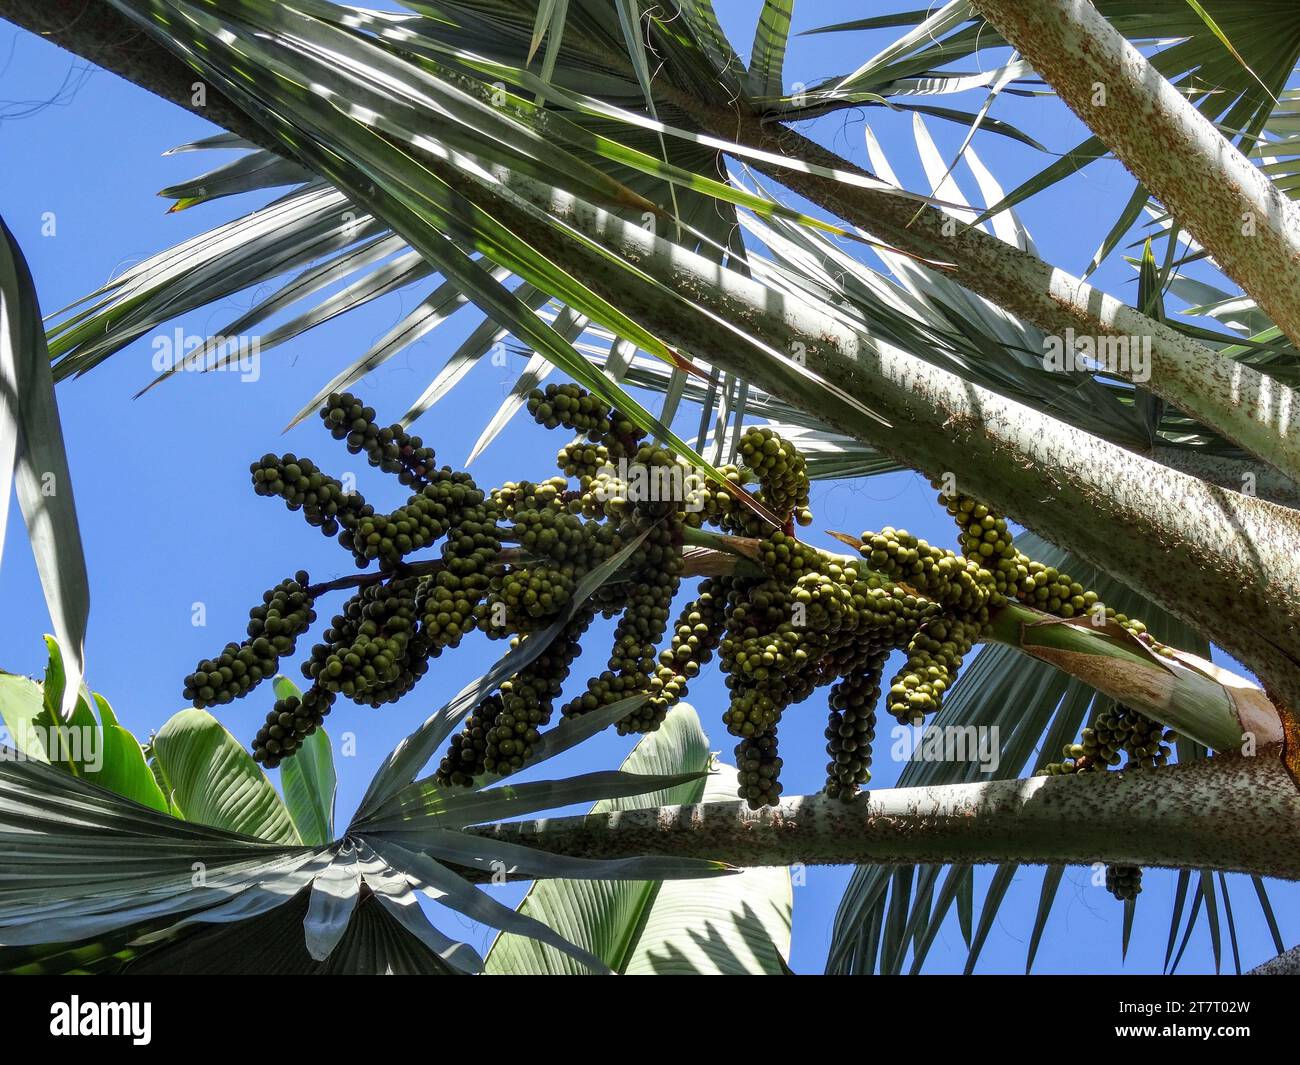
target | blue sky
x=169, y=518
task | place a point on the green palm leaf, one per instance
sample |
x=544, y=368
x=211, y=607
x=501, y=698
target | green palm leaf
x=92, y=881
x=79, y=861
x=767, y=56
x=101, y=751
x=125, y=770
x=212, y=780
x=737, y=924
x=309, y=780
x=33, y=459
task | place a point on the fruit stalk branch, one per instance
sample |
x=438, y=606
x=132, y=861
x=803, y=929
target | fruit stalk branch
x=1184, y=693
x=700, y=561
x=421, y=568
x=1229, y=813
x=1204, y=703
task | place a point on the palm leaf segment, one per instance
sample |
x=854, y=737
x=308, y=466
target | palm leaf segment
x=103, y=884
x=94, y=881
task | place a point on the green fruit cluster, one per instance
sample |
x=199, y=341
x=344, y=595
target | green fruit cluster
x=470, y=563
x=553, y=534
x=1122, y=729
x=782, y=473
x=784, y=632
x=427, y=516
x=758, y=767
x=811, y=619
x=372, y=653
x=503, y=730
x=559, y=549
x=582, y=460
x=851, y=728
x=985, y=538
x=1116, y=730
x=711, y=504
x=934, y=656
x=290, y=722
x=652, y=584
x=323, y=501
x=696, y=634
x=400, y=617
x=520, y=502
x=960, y=585
x=1124, y=881
x=273, y=630
x=392, y=450
x=574, y=408
x=790, y=619
x=530, y=596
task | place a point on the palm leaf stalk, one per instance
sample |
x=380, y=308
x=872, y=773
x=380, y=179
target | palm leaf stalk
x=832, y=455
x=981, y=344
x=1014, y=279
x=1182, y=691
x=1286, y=964
x=1187, y=374
x=1231, y=813
x=1228, y=204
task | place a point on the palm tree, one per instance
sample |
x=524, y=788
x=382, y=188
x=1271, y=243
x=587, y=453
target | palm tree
x=583, y=172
